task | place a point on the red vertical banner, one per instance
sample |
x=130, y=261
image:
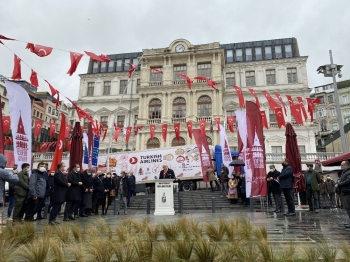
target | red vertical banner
x=189, y=128
x=137, y=129
x=256, y=149
x=251, y=90
x=66, y=133
x=37, y=127
x=281, y=101
x=53, y=130
x=6, y=123
x=57, y=157
x=204, y=152
x=202, y=124
x=272, y=103
x=152, y=129
x=164, y=131
x=310, y=108
x=279, y=117
x=230, y=121
x=296, y=113
x=300, y=100
x=16, y=74
x=116, y=133
x=217, y=121
x=177, y=131
x=264, y=119
x=34, y=79
x=240, y=95
x=128, y=132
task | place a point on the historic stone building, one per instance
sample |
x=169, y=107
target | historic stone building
x=155, y=98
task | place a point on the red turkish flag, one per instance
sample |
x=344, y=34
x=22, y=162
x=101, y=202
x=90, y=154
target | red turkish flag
x=188, y=80
x=105, y=133
x=157, y=70
x=281, y=101
x=230, y=121
x=39, y=50
x=296, y=113
x=132, y=69
x=217, y=121
x=240, y=96
x=16, y=74
x=164, y=131
x=96, y=58
x=74, y=61
x=116, y=133
x=177, y=131
x=264, y=119
x=66, y=133
x=34, y=79
x=202, y=124
x=128, y=133
x=189, y=128
x=290, y=100
x=52, y=129
x=280, y=117
x=137, y=129
x=152, y=129
x=6, y=38
x=37, y=127
x=310, y=108
x=6, y=123
x=251, y=90
x=210, y=83
x=300, y=100
x=57, y=157
x=52, y=89
x=272, y=103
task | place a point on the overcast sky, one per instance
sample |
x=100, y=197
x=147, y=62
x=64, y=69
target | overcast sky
x=109, y=27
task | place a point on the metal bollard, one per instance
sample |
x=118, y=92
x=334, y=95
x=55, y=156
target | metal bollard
x=213, y=204
x=181, y=205
x=251, y=207
x=148, y=206
x=116, y=206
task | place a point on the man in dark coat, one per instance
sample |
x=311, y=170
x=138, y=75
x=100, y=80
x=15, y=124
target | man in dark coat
x=344, y=186
x=98, y=192
x=286, y=179
x=312, y=180
x=41, y=204
x=330, y=191
x=73, y=193
x=21, y=193
x=59, y=193
x=37, y=191
x=5, y=176
x=166, y=173
x=86, y=191
x=132, y=182
x=122, y=187
x=275, y=187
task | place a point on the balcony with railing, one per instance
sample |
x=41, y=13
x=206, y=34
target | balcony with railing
x=154, y=121
x=179, y=82
x=206, y=118
x=155, y=83
x=178, y=120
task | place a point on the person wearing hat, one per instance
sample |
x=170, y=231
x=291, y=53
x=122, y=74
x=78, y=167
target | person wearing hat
x=312, y=181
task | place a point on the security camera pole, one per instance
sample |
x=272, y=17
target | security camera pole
x=331, y=71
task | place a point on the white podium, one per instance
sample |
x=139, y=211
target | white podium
x=164, y=198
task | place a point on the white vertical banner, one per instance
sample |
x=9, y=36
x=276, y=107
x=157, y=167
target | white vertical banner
x=242, y=129
x=225, y=150
x=21, y=122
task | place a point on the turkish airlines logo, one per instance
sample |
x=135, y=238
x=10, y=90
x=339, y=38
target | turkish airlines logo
x=133, y=160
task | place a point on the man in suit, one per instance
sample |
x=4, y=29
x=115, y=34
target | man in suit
x=73, y=193
x=59, y=192
x=21, y=193
x=166, y=173
x=312, y=181
x=286, y=179
x=344, y=186
x=275, y=187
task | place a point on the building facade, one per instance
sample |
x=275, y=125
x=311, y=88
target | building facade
x=5, y=106
x=325, y=115
x=153, y=98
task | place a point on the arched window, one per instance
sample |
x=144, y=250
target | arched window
x=204, y=106
x=181, y=142
x=210, y=142
x=153, y=143
x=179, y=108
x=155, y=109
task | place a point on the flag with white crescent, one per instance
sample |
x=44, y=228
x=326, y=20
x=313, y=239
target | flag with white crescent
x=189, y=128
x=37, y=127
x=177, y=131
x=57, y=157
x=164, y=131
x=280, y=117
x=39, y=50
x=152, y=129
x=16, y=74
x=6, y=123
x=300, y=100
x=202, y=125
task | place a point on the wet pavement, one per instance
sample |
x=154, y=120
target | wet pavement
x=305, y=227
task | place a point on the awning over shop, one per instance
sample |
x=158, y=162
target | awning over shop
x=335, y=161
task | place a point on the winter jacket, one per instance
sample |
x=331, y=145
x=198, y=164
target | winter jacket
x=22, y=184
x=125, y=187
x=60, y=187
x=286, y=177
x=5, y=176
x=210, y=174
x=108, y=184
x=87, y=181
x=169, y=174
x=274, y=185
x=74, y=191
x=98, y=192
x=344, y=183
x=37, y=184
x=132, y=183
x=322, y=186
x=329, y=186
x=315, y=179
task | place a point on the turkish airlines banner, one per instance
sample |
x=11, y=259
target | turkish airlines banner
x=225, y=150
x=204, y=152
x=37, y=127
x=255, y=152
x=21, y=123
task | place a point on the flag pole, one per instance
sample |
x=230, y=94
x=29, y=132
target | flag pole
x=115, y=115
x=2, y=147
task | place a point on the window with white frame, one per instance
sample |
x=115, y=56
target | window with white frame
x=332, y=111
x=321, y=112
x=324, y=126
x=204, y=70
x=301, y=149
x=248, y=54
x=106, y=88
x=271, y=77
x=347, y=117
x=335, y=126
x=229, y=56
x=292, y=75
x=288, y=50
x=239, y=55
x=276, y=149
x=230, y=80
x=250, y=78
x=345, y=99
x=278, y=51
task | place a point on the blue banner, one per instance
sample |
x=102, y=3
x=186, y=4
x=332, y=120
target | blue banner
x=95, y=150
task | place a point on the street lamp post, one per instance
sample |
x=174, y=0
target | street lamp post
x=332, y=70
